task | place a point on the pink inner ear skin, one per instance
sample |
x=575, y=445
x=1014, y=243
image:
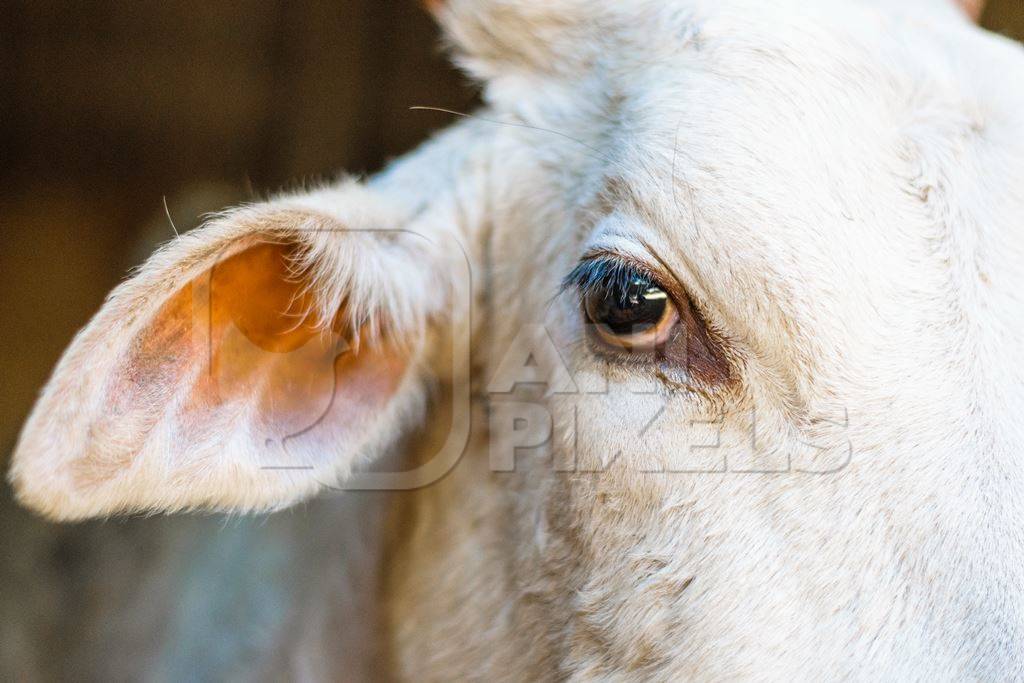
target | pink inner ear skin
x=238, y=344
x=973, y=8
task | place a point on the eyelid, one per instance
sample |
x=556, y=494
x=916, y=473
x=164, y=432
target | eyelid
x=600, y=265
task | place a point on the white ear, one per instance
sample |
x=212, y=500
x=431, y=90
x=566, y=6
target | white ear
x=502, y=39
x=498, y=38
x=973, y=8
x=245, y=364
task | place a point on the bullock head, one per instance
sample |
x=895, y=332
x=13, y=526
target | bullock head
x=744, y=285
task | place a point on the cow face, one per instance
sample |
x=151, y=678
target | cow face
x=780, y=366
x=747, y=324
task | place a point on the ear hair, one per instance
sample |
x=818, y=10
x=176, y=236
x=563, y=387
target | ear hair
x=493, y=37
x=244, y=365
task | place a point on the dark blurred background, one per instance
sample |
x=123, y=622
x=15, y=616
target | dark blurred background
x=109, y=109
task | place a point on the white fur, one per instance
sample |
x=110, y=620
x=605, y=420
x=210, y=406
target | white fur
x=836, y=184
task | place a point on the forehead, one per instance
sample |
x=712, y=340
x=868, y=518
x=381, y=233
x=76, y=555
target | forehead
x=770, y=157
x=744, y=87
x=775, y=83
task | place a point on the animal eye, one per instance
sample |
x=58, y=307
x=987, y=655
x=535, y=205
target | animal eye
x=630, y=312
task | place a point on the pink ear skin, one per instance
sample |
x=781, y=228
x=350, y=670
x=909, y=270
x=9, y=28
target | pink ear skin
x=240, y=340
x=973, y=8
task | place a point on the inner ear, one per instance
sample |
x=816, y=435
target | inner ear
x=244, y=342
x=260, y=292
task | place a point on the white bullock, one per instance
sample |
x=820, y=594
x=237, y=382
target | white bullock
x=716, y=313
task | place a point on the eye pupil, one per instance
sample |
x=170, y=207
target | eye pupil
x=628, y=307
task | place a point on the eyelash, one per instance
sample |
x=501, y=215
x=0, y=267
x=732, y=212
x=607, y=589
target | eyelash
x=607, y=272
